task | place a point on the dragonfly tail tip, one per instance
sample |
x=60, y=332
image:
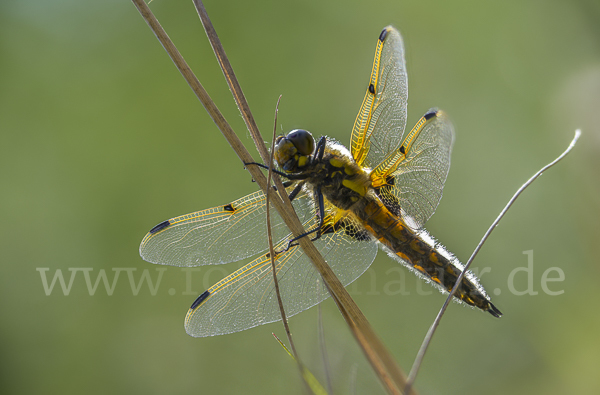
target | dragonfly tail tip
x=493, y=310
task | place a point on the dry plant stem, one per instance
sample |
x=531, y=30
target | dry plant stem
x=270, y=239
x=199, y=90
x=352, y=379
x=272, y=256
x=419, y=359
x=323, y=348
x=239, y=97
x=236, y=91
x=380, y=359
x=234, y=85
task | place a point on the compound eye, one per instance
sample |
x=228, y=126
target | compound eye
x=302, y=140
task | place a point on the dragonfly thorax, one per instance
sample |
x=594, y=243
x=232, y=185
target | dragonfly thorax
x=293, y=151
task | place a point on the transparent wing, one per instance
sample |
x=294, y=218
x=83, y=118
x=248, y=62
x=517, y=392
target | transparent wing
x=247, y=297
x=381, y=120
x=411, y=179
x=219, y=235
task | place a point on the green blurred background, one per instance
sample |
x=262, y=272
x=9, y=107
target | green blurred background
x=102, y=139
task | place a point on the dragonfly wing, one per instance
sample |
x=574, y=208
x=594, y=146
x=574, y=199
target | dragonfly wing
x=247, y=298
x=219, y=235
x=411, y=179
x=381, y=120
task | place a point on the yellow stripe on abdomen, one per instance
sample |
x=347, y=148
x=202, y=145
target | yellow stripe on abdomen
x=417, y=250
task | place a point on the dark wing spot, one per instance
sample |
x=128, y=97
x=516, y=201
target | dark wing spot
x=402, y=150
x=430, y=114
x=352, y=230
x=372, y=89
x=228, y=207
x=389, y=200
x=199, y=300
x=383, y=35
x=160, y=227
x=348, y=227
x=361, y=235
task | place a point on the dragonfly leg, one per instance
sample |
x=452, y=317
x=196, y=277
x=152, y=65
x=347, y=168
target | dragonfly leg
x=282, y=174
x=320, y=150
x=317, y=229
x=321, y=213
x=296, y=190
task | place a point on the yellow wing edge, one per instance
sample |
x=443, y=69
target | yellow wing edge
x=359, y=142
x=380, y=174
x=248, y=271
x=227, y=209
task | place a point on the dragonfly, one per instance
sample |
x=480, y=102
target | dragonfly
x=376, y=195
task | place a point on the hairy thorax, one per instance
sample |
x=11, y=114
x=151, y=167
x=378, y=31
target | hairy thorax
x=340, y=179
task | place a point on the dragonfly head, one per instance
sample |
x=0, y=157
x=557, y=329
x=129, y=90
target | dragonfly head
x=293, y=151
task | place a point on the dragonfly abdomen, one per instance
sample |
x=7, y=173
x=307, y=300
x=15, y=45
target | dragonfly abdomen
x=419, y=251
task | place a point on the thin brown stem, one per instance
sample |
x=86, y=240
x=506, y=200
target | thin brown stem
x=270, y=237
x=421, y=354
x=234, y=85
x=272, y=255
x=323, y=348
